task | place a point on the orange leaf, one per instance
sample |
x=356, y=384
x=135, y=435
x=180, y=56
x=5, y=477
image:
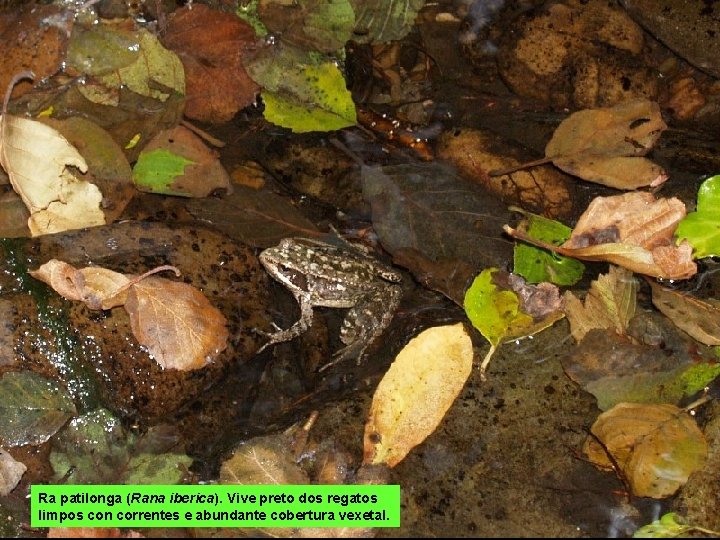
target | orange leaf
x=176, y=322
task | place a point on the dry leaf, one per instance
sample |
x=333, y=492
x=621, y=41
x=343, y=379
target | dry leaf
x=36, y=158
x=699, y=318
x=610, y=303
x=176, y=322
x=604, y=145
x=657, y=447
x=416, y=392
x=10, y=472
x=633, y=230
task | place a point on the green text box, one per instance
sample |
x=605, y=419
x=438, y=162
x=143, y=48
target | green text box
x=215, y=506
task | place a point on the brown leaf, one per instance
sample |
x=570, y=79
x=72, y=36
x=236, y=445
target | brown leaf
x=211, y=45
x=633, y=230
x=610, y=303
x=657, y=447
x=10, y=472
x=176, y=322
x=263, y=460
x=699, y=318
x=603, y=145
x=200, y=178
x=416, y=392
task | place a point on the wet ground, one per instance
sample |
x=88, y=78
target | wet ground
x=506, y=460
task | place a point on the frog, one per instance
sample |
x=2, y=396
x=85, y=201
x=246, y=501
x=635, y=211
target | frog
x=319, y=274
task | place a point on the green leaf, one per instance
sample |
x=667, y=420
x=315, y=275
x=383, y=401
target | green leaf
x=702, y=227
x=384, y=20
x=157, y=170
x=492, y=311
x=667, y=526
x=248, y=12
x=32, y=409
x=95, y=449
x=537, y=265
x=303, y=92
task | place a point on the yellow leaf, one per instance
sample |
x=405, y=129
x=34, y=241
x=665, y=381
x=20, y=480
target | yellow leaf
x=416, y=392
x=657, y=447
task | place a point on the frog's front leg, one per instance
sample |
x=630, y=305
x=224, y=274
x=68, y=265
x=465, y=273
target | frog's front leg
x=305, y=321
x=366, y=321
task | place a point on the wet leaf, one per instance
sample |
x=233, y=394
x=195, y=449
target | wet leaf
x=668, y=526
x=615, y=369
x=176, y=322
x=212, y=46
x=657, y=447
x=14, y=216
x=33, y=408
x=610, y=303
x=429, y=208
x=604, y=145
x=323, y=25
x=95, y=449
x=177, y=162
x=699, y=318
x=10, y=472
x=101, y=49
x=537, y=265
x=301, y=92
x=633, y=230
x=259, y=218
x=36, y=158
x=416, y=392
x=155, y=67
x=702, y=227
x=491, y=310
x=383, y=20
x=263, y=460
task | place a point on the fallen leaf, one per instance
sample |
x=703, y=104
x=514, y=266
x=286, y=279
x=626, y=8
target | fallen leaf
x=699, y=318
x=657, y=447
x=10, y=472
x=323, y=25
x=259, y=218
x=156, y=73
x=33, y=408
x=669, y=525
x=177, y=162
x=212, y=45
x=610, y=303
x=176, y=322
x=633, y=230
x=616, y=369
x=263, y=460
x=301, y=91
x=428, y=207
x=36, y=158
x=604, y=145
x=702, y=227
x=382, y=21
x=416, y=392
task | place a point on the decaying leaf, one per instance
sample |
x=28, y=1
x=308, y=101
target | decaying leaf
x=212, y=45
x=10, y=472
x=36, y=158
x=699, y=318
x=174, y=320
x=610, y=303
x=416, y=392
x=657, y=447
x=379, y=21
x=633, y=230
x=604, y=145
x=193, y=169
x=263, y=460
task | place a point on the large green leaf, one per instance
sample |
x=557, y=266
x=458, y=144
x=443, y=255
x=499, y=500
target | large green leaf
x=157, y=170
x=702, y=227
x=32, y=409
x=302, y=91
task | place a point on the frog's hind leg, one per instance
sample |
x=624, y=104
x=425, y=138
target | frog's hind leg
x=366, y=321
x=305, y=321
